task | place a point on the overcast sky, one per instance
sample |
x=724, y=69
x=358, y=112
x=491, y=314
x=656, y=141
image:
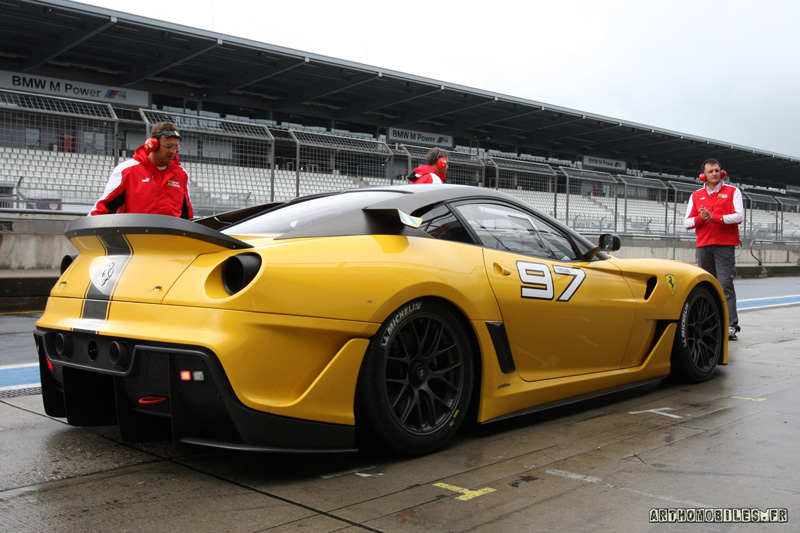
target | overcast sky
x=727, y=70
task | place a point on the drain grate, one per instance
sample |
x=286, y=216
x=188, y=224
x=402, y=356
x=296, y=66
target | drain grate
x=14, y=393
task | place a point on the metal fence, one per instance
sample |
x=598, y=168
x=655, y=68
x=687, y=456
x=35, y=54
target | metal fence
x=589, y=199
x=645, y=207
x=789, y=225
x=230, y=163
x=53, y=150
x=680, y=192
x=462, y=168
x=327, y=162
x=57, y=154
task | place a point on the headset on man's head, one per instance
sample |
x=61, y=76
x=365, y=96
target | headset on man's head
x=441, y=160
x=152, y=144
x=722, y=174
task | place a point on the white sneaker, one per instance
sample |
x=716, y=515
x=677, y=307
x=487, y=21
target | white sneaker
x=732, y=333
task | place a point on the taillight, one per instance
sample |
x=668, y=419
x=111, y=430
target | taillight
x=192, y=375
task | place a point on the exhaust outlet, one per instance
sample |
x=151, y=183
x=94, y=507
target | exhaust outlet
x=63, y=344
x=119, y=354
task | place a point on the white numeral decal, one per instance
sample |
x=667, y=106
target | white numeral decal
x=578, y=276
x=539, y=281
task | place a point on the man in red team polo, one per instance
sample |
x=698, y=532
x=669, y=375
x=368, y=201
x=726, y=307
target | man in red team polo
x=153, y=181
x=715, y=212
x=434, y=170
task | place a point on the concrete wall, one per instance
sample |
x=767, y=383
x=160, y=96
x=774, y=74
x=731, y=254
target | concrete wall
x=683, y=249
x=33, y=240
x=36, y=241
x=33, y=251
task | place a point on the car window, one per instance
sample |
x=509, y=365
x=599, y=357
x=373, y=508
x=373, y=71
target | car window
x=560, y=246
x=293, y=216
x=441, y=223
x=506, y=228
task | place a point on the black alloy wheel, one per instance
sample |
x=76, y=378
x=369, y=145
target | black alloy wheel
x=700, y=337
x=416, y=380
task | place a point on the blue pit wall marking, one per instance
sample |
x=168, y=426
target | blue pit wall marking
x=19, y=376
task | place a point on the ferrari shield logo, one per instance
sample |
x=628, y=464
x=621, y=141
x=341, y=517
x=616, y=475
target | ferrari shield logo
x=107, y=273
x=671, y=283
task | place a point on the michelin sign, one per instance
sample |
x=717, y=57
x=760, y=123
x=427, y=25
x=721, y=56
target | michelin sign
x=73, y=89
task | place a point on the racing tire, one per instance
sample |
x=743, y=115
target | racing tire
x=700, y=338
x=415, y=382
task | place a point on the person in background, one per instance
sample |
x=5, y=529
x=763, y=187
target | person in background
x=434, y=170
x=714, y=213
x=153, y=181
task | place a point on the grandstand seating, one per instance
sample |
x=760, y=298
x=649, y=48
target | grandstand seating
x=382, y=182
x=311, y=183
x=65, y=176
x=543, y=201
x=763, y=219
x=73, y=181
x=585, y=208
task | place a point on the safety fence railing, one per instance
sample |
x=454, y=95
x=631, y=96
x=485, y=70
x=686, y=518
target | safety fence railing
x=53, y=149
x=230, y=163
x=57, y=154
x=72, y=182
x=780, y=251
x=532, y=181
x=325, y=162
x=462, y=168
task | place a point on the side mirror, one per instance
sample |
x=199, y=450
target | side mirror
x=610, y=242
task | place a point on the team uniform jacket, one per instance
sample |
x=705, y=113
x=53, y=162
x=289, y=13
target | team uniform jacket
x=727, y=211
x=427, y=174
x=137, y=186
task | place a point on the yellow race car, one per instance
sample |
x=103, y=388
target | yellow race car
x=378, y=317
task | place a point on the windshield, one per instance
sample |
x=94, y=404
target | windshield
x=293, y=216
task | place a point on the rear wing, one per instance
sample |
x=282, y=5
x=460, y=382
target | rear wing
x=129, y=223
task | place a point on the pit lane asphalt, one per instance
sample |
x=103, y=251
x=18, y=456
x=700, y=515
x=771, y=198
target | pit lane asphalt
x=728, y=444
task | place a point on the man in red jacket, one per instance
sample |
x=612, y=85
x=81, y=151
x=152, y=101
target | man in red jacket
x=153, y=181
x=435, y=169
x=715, y=212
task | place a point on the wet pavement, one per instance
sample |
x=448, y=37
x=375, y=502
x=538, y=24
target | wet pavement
x=619, y=462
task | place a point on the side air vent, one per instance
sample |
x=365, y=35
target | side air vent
x=239, y=270
x=651, y=286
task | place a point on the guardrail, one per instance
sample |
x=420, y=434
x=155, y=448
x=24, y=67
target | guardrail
x=760, y=257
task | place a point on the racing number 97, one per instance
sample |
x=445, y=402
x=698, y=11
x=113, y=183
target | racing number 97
x=538, y=281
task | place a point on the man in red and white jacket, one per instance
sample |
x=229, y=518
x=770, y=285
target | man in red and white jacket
x=153, y=181
x=435, y=169
x=715, y=212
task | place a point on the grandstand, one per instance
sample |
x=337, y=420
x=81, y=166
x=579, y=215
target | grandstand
x=236, y=164
x=261, y=124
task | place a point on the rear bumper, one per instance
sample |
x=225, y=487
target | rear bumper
x=154, y=390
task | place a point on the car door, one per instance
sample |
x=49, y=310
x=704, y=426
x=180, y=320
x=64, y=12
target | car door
x=564, y=316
